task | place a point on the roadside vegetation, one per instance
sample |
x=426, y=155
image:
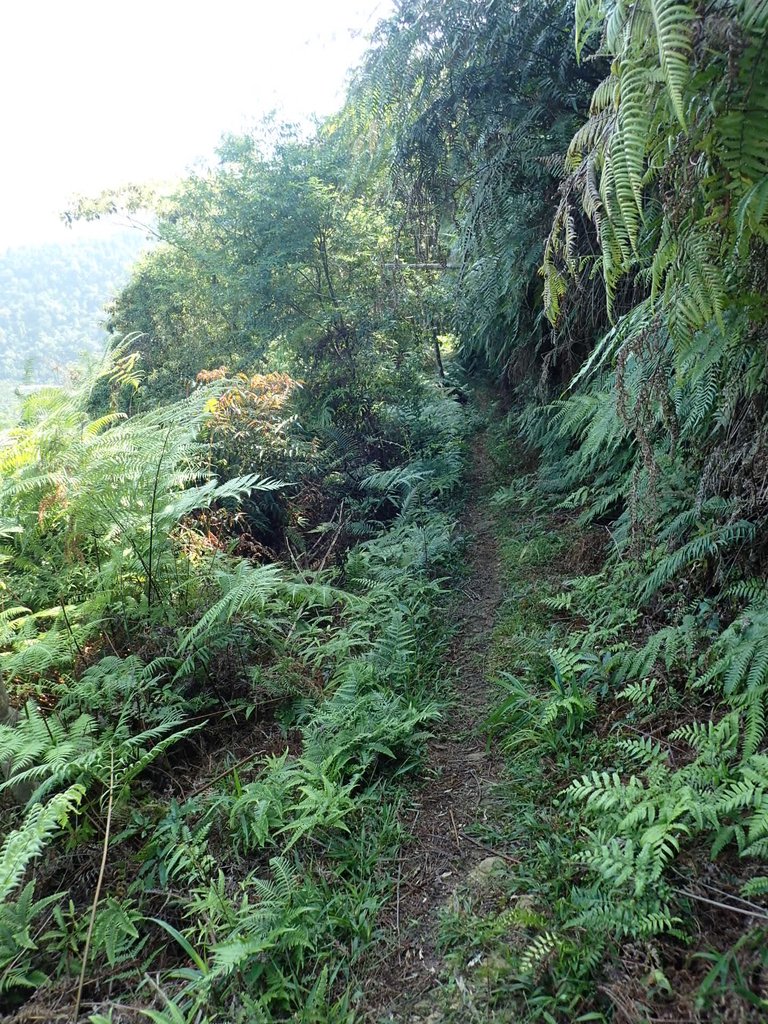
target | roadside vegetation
x=228, y=554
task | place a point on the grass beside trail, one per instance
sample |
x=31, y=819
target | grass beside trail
x=522, y=941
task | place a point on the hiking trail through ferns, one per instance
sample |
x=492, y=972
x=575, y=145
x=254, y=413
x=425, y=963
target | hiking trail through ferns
x=459, y=774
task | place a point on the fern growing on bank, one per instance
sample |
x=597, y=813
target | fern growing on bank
x=110, y=656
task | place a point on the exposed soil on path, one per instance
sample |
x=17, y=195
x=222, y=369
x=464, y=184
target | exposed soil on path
x=459, y=773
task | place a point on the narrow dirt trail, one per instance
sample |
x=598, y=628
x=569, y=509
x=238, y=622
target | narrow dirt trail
x=459, y=773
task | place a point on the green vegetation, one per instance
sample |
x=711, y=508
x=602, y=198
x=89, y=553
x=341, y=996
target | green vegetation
x=141, y=642
x=226, y=560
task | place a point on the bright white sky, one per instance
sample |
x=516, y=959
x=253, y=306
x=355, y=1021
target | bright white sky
x=95, y=93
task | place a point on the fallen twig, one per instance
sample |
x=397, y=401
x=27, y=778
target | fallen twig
x=489, y=849
x=721, y=906
x=223, y=775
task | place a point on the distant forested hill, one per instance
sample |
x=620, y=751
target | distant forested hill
x=52, y=300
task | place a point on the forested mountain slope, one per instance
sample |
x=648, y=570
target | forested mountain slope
x=53, y=298
x=508, y=307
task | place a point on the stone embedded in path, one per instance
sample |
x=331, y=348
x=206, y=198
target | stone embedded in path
x=488, y=870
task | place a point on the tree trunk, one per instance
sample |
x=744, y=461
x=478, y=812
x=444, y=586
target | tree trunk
x=8, y=715
x=438, y=356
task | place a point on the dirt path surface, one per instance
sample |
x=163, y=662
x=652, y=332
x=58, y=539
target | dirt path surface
x=459, y=773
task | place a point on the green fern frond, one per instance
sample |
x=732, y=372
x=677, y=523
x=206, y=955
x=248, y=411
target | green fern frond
x=24, y=844
x=672, y=24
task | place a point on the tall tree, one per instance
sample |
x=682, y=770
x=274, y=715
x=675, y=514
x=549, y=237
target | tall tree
x=473, y=105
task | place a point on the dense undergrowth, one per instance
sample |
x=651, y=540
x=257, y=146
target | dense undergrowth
x=230, y=735
x=222, y=560
x=633, y=812
x=639, y=683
